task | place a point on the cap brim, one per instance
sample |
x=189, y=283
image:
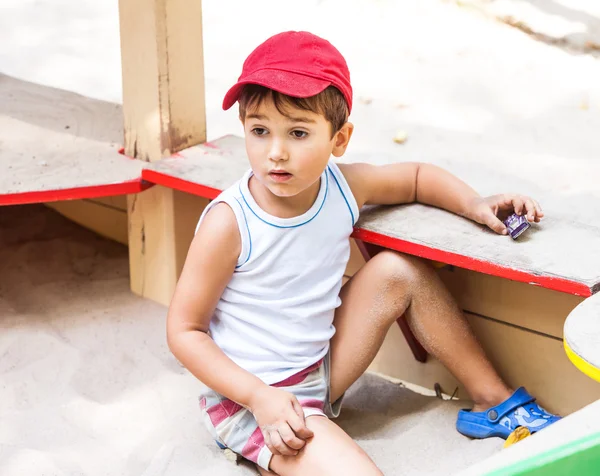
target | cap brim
x=285, y=82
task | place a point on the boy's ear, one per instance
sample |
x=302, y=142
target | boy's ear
x=341, y=139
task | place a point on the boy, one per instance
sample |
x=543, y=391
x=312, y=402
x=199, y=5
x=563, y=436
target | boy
x=260, y=315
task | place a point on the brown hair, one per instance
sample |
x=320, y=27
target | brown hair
x=330, y=103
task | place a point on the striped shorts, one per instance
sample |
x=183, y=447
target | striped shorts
x=234, y=426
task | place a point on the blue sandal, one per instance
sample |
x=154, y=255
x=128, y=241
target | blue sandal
x=518, y=410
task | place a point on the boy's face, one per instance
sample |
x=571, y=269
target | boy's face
x=289, y=153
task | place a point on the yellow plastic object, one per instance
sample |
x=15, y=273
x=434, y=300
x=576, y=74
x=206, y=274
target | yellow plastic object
x=582, y=364
x=520, y=433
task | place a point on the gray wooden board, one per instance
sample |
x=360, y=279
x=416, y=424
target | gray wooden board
x=218, y=164
x=54, y=140
x=582, y=330
x=554, y=248
x=564, y=246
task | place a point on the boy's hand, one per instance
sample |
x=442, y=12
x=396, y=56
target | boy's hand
x=281, y=420
x=488, y=210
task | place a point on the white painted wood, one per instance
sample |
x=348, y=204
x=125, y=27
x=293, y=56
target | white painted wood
x=582, y=330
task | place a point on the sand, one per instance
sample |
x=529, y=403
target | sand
x=89, y=387
x=87, y=384
x=574, y=26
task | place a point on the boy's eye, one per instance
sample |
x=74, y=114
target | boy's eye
x=259, y=131
x=299, y=134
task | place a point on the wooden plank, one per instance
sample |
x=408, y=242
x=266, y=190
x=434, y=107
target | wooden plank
x=539, y=363
x=110, y=222
x=71, y=193
x=420, y=230
x=163, y=76
x=161, y=226
x=441, y=236
x=582, y=337
x=519, y=304
x=163, y=109
x=57, y=145
x=108, y=217
x=188, y=209
x=204, y=170
x=119, y=202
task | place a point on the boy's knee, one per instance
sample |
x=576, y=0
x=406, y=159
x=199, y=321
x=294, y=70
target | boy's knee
x=402, y=269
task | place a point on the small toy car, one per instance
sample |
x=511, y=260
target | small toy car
x=516, y=225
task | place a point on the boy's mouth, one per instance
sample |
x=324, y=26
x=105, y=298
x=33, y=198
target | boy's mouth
x=280, y=175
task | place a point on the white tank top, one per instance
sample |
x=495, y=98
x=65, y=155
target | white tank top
x=275, y=316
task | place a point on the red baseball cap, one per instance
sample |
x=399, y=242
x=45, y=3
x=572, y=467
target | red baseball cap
x=295, y=63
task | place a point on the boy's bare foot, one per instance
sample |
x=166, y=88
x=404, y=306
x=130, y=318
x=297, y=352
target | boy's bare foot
x=483, y=404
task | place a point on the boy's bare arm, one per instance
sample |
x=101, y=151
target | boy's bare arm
x=431, y=185
x=208, y=268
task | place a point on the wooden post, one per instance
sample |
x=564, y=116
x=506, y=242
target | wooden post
x=163, y=109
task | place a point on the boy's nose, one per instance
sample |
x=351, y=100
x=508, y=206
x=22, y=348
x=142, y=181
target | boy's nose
x=278, y=151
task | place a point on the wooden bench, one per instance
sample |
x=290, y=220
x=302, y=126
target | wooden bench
x=415, y=229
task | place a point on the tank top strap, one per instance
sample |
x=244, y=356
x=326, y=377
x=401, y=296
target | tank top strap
x=229, y=197
x=342, y=185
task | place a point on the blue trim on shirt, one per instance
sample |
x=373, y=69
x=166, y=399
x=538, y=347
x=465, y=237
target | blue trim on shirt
x=291, y=226
x=343, y=194
x=249, y=235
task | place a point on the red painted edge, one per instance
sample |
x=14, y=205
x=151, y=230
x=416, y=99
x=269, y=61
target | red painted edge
x=474, y=264
x=461, y=261
x=75, y=193
x=160, y=178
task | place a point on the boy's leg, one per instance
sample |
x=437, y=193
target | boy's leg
x=263, y=472
x=389, y=285
x=330, y=451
